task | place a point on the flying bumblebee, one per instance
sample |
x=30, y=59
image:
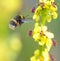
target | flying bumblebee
x=16, y=21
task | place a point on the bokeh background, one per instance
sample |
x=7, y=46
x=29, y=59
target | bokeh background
x=28, y=45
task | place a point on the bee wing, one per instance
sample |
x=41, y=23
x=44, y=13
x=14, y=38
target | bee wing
x=27, y=21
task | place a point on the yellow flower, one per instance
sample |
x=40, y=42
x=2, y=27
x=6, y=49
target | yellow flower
x=41, y=34
x=46, y=6
x=52, y=8
x=41, y=58
x=36, y=53
x=38, y=59
x=48, y=3
x=41, y=0
x=38, y=9
x=36, y=32
x=37, y=28
x=46, y=56
x=44, y=28
x=36, y=36
x=43, y=40
x=52, y=1
x=49, y=18
x=36, y=14
x=46, y=36
x=49, y=35
x=48, y=45
x=55, y=15
x=36, y=17
x=44, y=11
x=33, y=58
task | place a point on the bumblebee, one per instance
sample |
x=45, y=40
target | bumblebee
x=18, y=20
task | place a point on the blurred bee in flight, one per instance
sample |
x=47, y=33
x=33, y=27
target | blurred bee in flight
x=16, y=21
x=19, y=19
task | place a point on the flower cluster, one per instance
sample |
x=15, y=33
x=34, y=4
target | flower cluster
x=44, y=38
x=46, y=10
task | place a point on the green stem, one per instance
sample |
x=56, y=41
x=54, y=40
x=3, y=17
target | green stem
x=40, y=48
x=44, y=21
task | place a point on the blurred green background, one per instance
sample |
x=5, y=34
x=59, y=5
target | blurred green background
x=28, y=44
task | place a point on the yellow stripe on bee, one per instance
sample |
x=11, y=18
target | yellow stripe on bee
x=21, y=16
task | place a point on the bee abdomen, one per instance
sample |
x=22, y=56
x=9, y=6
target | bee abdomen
x=15, y=22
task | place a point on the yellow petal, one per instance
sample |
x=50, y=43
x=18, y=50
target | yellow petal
x=42, y=0
x=44, y=28
x=45, y=55
x=53, y=8
x=49, y=34
x=42, y=40
x=48, y=45
x=55, y=15
x=36, y=53
x=37, y=28
x=46, y=6
x=52, y=0
x=36, y=36
x=48, y=2
x=34, y=17
x=49, y=18
x=33, y=58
